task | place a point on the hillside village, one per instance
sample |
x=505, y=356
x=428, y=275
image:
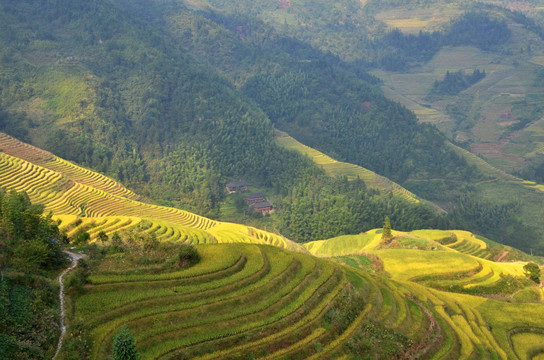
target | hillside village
x=256, y=201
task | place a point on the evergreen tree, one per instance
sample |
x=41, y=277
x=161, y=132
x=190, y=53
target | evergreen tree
x=532, y=271
x=124, y=346
x=386, y=234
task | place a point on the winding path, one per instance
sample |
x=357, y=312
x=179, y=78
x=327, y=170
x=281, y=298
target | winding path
x=75, y=257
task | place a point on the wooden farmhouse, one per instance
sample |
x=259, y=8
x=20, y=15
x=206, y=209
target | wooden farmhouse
x=255, y=198
x=236, y=186
x=259, y=203
x=264, y=207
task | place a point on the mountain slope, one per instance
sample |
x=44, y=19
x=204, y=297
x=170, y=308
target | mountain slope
x=82, y=199
x=118, y=93
x=261, y=301
x=176, y=103
x=417, y=261
x=266, y=301
x=328, y=104
x=337, y=168
x=109, y=92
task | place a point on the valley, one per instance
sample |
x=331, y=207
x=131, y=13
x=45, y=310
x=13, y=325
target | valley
x=246, y=298
x=390, y=168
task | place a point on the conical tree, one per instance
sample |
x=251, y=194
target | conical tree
x=386, y=234
x=124, y=346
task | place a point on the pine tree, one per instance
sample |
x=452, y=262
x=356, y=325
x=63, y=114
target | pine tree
x=124, y=346
x=386, y=234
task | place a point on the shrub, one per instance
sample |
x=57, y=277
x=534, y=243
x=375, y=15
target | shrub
x=187, y=256
x=103, y=237
x=150, y=242
x=30, y=255
x=124, y=346
x=79, y=276
x=8, y=345
x=532, y=271
x=81, y=237
x=116, y=243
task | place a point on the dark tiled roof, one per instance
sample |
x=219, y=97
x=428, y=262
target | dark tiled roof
x=256, y=195
x=261, y=205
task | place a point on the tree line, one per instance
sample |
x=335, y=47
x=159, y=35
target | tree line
x=454, y=83
x=395, y=51
x=30, y=256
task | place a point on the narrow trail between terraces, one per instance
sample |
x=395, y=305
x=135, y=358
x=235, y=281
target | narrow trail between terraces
x=75, y=258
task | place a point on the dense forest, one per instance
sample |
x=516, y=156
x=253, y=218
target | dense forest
x=30, y=255
x=344, y=117
x=175, y=103
x=127, y=102
x=321, y=208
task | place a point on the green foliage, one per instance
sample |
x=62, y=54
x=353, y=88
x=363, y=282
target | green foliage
x=320, y=207
x=136, y=94
x=77, y=344
x=175, y=131
x=30, y=241
x=103, y=237
x=31, y=255
x=331, y=110
x=456, y=82
x=27, y=310
x=117, y=244
x=124, y=346
x=78, y=277
x=532, y=271
x=499, y=221
x=187, y=256
x=478, y=29
x=396, y=51
x=376, y=339
x=8, y=346
x=81, y=237
x=386, y=234
x=344, y=311
x=30, y=247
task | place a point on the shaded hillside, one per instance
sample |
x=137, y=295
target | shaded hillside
x=105, y=90
x=338, y=168
x=140, y=101
x=84, y=201
x=330, y=106
x=312, y=95
x=120, y=96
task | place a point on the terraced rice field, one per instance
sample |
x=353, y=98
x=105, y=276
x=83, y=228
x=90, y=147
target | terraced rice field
x=45, y=159
x=467, y=257
x=68, y=190
x=252, y=301
x=248, y=300
x=472, y=326
x=338, y=168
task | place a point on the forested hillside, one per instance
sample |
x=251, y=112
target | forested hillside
x=30, y=255
x=356, y=125
x=176, y=101
x=319, y=99
x=98, y=85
